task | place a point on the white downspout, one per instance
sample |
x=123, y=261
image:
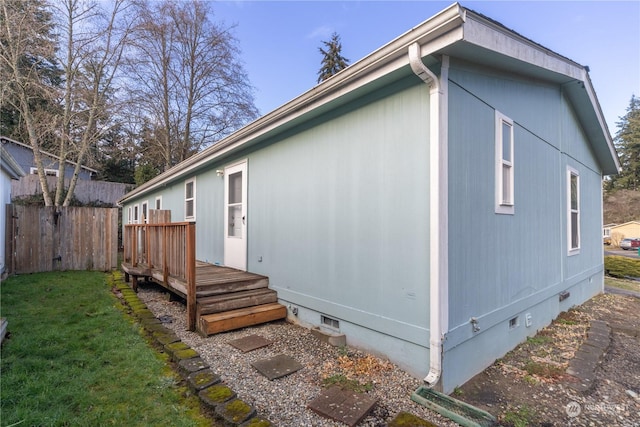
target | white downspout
x=438, y=208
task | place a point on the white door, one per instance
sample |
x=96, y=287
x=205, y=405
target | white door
x=235, y=216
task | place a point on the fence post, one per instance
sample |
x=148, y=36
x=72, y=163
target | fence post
x=191, y=276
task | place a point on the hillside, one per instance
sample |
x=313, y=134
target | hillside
x=621, y=206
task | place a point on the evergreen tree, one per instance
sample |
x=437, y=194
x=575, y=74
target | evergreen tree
x=627, y=143
x=332, y=60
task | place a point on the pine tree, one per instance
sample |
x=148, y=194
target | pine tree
x=332, y=60
x=627, y=143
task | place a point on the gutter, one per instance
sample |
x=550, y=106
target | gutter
x=438, y=207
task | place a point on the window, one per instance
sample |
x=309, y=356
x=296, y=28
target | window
x=136, y=214
x=159, y=202
x=504, y=164
x=145, y=213
x=47, y=172
x=129, y=216
x=573, y=210
x=190, y=199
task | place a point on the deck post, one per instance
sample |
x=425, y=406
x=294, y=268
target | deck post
x=191, y=276
x=165, y=265
x=134, y=247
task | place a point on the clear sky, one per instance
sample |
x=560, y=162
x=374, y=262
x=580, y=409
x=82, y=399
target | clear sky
x=280, y=39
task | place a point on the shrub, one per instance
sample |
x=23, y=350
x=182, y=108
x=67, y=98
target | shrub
x=619, y=266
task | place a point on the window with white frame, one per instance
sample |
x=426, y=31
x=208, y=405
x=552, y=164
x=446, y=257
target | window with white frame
x=145, y=212
x=573, y=210
x=47, y=172
x=159, y=202
x=504, y=164
x=136, y=213
x=130, y=215
x=190, y=199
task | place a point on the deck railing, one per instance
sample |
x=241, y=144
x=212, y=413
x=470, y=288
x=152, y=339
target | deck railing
x=169, y=248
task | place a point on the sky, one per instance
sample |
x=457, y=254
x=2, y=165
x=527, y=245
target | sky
x=279, y=40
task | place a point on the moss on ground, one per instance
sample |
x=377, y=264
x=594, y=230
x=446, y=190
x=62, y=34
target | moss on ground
x=405, y=419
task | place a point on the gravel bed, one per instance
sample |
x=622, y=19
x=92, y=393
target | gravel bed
x=284, y=401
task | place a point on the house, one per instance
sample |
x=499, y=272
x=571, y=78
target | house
x=9, y=170
x=23, y=154
x=606, y=233
x=88, y=190
x=436, y=202
x=617, y=232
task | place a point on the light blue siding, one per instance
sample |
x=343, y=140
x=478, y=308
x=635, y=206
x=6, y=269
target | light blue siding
x=504, y=266
x=339, y=215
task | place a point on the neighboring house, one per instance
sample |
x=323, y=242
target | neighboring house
x=620, y=231
x=9, y=170
x=437, y=201
x=23, y=154
x=606, y=233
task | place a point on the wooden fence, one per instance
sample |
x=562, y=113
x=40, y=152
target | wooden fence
x=85, y=192
x=61, y=238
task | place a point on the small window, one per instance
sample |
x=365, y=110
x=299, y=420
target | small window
x=159, y=202
x=145, y=213
x=129, y=216
x=573, y=210
x=136, y=214
x=190, y=199
x=504, y=164
x=47, y=172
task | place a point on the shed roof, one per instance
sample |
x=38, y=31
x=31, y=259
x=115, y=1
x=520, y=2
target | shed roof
x=9, y=165
x=6, y=140
x=455, y=31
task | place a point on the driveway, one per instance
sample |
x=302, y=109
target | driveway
x=620, y=252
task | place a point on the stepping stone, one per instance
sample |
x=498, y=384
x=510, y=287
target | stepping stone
x=249, y=343
x=277, y=366
x=344, y=406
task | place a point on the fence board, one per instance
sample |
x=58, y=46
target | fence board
x=63, y=238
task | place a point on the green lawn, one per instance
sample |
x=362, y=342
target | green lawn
x=73, y=358
x=629, y=285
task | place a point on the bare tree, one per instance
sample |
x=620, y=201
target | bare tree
x=189, y=83
x=27, y=57
x=95, y=44
x=93, y=47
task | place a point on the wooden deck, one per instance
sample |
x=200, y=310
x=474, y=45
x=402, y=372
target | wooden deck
x=226, y=298
x=218, y=298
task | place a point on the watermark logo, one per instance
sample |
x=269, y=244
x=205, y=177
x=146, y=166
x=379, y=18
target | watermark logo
x=573, y=409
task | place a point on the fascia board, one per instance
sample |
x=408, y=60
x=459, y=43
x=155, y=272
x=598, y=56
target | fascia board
x=492, y=36
x=9, y=165
x=489, y=35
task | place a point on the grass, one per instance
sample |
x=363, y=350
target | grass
x=629, y=285
x=347, y=383
x=519, y=417
x=73, y=358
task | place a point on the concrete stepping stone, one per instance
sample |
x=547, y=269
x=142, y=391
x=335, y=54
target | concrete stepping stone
x=249, y=343
x=344, y=406
x=277, y=366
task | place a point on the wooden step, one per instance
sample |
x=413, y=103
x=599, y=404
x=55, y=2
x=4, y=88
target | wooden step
x=206, y=288
x=235, y=300
x=210, y=324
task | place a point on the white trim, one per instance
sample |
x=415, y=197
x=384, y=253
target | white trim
x=570, y=212
x=47, y=172
x=504, y=204
x=158, y=202
x=130, y=216
x=235, y=245
x=190, y=199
